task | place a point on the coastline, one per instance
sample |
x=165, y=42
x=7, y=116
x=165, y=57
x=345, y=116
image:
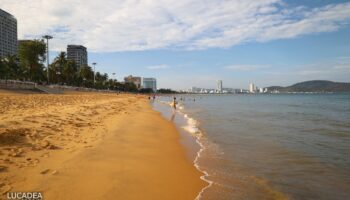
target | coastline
x=110, y=146
x=191, y=136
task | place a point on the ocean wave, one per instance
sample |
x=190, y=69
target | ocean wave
x=191, y=126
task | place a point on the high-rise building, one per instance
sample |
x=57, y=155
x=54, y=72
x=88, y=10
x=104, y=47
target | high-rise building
x=133, y=79
x=219, y=86
x=77, y=53
x=195, y=89
x=149, y=83
x=252, y=88
x=8, y=34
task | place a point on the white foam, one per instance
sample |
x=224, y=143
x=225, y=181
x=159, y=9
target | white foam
x=192, y=128
x=206, y=174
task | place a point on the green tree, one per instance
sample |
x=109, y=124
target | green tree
x=146, y=90
x=32, y=55
x=112, y=84
x=86, y=76
x=119, y=86
x=166, y=91
x=130, y=87
x=11, y=68
x=56, y=68
x=70, y=73
x=4, y=71
x=101, y=80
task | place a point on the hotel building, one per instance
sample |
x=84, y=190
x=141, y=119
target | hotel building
x=8, y=34
x=77, y=53
x=149, y=83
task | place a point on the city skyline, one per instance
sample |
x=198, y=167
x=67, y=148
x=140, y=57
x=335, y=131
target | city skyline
x=305, y=40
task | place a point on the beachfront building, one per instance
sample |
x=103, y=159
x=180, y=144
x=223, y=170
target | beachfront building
x=133, y=79
x=252, y=88
x=149, y=83
x=77, y=53
x=8, y=34
x=219, y=86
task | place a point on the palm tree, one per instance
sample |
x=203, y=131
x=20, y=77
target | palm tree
x=4, y=71
x=105, y=77
x=86, y=76
x=101, y=80
x=70, y=73
x=57, y=67
x=14, y=70
x=112, y=84
x=10, y=68
x=32, y=55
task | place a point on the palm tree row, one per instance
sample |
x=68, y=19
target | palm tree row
x=66, y=72
x=28, y=66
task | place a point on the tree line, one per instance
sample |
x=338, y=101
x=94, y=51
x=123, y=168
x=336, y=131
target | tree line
x=28, y=65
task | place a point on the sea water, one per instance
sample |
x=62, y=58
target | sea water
x=269, y=146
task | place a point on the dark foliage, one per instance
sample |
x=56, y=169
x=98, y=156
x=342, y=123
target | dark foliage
x=314, y=86
x=166, y=91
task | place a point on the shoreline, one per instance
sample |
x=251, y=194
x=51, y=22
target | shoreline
x=126, y=155
x=190, y=132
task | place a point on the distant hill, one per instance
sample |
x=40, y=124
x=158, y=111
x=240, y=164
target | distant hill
x=314, y=86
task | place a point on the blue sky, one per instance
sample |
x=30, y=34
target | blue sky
x=280, y=62
x=188, y=43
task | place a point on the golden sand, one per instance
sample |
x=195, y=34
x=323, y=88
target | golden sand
x=91, y=146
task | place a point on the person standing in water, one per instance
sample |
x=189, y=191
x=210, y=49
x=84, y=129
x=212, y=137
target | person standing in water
x=174, y=103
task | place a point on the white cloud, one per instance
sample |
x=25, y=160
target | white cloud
x=339, y=69
x=333, y=69
x=155, y=67
x=123, y=25
x=246, y=67
x=345, y=58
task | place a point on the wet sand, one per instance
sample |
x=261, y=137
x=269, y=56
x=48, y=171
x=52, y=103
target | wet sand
x=91, y=146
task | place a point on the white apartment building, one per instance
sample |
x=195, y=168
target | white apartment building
x=252, y=88
x=219, y=86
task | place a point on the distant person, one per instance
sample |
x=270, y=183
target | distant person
x=154, y=97
x=149, y=98
x=174, y=103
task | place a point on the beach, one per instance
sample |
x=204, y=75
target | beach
x=92, y=146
